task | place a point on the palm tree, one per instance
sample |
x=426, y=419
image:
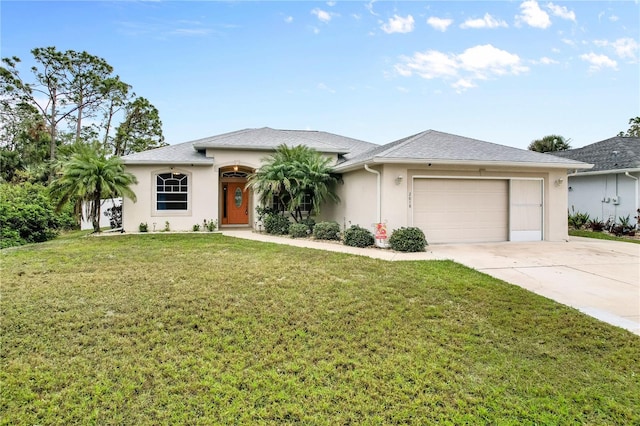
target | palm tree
x=551, y=143
x=89, y=176
x=292, y=174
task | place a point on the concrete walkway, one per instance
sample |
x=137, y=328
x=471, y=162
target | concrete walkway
x=600, y=278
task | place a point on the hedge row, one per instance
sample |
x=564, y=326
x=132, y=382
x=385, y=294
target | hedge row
x=403, y=239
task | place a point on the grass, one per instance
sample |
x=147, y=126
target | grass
x=601, y=236
x=205, y=329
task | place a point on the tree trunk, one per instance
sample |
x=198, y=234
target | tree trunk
x=52, y=134
x=108, y=128
x=95, y=212
x=79, y=123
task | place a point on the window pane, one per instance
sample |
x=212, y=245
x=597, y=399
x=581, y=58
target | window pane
x=171, y=191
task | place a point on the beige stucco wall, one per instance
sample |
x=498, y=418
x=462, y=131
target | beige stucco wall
x=203, y=200
x=358, y=194
x=204, y=187
x=357, y=201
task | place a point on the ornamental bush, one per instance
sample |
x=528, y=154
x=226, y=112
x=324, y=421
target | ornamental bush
x=276, y=224
x=327, y=231
x=356, y=236
x=408, y=239
x=309, y=222
x=298, y=230
x=27, y=215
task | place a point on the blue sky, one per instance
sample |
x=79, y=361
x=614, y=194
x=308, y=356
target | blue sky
x=507, y=72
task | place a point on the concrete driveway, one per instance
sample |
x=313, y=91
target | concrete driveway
x=600, y=278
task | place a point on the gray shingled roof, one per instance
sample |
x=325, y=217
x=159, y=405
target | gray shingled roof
x=182, y=153
x=616, y=153
x=439, y=147
x=263, y=139
x=267, y=139
x=428, y=146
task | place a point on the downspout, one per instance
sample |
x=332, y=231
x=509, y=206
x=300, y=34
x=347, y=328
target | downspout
x=636, y=194
x=379, y=201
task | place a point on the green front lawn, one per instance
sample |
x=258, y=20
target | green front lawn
x=205, y=329
x=601, y=236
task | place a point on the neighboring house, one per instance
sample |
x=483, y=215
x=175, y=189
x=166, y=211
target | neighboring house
x=610, y=189
x=104, y=219
x=454, y=188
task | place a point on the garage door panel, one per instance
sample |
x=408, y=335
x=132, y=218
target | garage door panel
x=461, y=210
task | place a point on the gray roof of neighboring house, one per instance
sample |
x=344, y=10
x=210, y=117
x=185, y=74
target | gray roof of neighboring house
x=263, y=139
x=617, y=153
x=445, y=148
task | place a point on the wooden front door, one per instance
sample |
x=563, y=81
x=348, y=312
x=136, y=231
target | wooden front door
x=237, y=204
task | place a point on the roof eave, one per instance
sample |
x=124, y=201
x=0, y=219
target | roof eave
x=439, y=161
x=164, y=162
x=199, y=147
x=607, y=172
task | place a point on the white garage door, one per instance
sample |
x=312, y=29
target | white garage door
x=461, y=210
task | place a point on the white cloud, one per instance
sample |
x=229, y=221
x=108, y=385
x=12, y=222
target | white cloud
x=598, y=61
x=547, y=61
x=322, y=15
x=532, y=15
x=613, y=18
x=486, y=60
x=487, y=21
x=440, y=24
x=288, y=19
x=429, y=64
x=326, y=88
x=398, y=24
x=463, y=84
x=480, y=62
x=331, y=3
x=626, y=48
x=562, y=12
x=402, y=89
x=369, y=7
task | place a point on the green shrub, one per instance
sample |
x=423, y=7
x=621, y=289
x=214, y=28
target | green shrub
x=327, y=231
x=27, y=215
x=276, y=224
x=309, y=222
x=143, y=227
x=196, y=227
x=357, y=236
x=596, y=225
x=211, y=225
x=298, y=230
x=408, y=240
x=578, y=220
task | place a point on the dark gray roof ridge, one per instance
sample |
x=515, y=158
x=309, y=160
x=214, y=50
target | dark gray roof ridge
x=616, y=153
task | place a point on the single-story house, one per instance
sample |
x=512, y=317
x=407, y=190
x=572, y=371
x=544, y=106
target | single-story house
x=610, y=189
x=456, y=189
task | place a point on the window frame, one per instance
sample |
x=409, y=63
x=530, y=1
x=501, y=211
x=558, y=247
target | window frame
x=304, y=207
x=155, y=193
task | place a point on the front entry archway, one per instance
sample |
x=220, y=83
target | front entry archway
x=235, y=199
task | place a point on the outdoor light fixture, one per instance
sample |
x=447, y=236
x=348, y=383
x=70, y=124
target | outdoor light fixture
x=559, y=181
x=399, y=179
x=235, y=168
